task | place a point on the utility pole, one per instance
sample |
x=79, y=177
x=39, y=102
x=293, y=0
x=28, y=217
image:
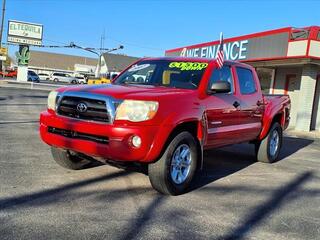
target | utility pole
x=98, y=71
x=2, y=20
x=102, y=40
x=1, y=30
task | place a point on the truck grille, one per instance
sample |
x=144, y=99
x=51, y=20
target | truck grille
x=94, y=110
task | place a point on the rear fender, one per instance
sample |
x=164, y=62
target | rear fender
x=271, y=116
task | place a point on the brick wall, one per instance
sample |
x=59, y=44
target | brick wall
x=306, y=97
x=293, y=91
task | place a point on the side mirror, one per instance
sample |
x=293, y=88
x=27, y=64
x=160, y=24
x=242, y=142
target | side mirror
x=220, y=87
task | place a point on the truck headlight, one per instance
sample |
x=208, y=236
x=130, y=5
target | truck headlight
x=52, y=100
x=136, y=110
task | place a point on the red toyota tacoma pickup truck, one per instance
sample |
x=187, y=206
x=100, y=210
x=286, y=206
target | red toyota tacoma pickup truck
x=163, y=113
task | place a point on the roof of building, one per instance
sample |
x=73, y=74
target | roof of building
x=117, y=62
x=58, y=61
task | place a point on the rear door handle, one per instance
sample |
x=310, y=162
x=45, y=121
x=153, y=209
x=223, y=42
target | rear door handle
x=236, y=104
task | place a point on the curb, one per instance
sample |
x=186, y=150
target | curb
x=28, y=85
x=313, y=135
x=26, y=88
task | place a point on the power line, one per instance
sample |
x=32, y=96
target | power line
x=102, y=47
x=70, y=45
x=54, y=41
x=43, y=46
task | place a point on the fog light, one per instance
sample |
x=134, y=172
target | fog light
x=136, y=141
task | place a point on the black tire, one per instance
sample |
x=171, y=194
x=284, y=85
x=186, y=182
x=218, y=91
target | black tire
x=264, y=147
x=56, y=80
x=160, y=171
x=67, y=160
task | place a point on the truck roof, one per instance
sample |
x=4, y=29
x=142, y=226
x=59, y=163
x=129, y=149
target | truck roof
x=194, y=59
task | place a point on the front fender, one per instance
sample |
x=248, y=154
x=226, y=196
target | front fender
x=167, y=126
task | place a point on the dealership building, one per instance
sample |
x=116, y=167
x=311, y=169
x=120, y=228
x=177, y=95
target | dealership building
x=287, y=61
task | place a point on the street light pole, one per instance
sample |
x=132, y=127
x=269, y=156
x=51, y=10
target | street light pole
x=101, y=54
x=92, y=50
x=97, y=73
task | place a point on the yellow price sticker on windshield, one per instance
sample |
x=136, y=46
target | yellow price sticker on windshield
x=188, y=66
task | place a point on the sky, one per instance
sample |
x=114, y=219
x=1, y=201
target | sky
x=149, y=27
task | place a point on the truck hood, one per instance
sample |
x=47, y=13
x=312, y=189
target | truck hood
x=143, y=92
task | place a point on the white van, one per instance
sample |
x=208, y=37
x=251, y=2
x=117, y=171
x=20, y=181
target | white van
x=63, y=77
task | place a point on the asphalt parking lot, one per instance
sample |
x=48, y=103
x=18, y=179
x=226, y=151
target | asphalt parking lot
x=233, y=198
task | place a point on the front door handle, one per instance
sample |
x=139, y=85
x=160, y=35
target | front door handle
x=236, y=104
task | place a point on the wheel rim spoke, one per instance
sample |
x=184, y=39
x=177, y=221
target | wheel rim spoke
x=274, y=142
x=184, y=153
x=180, y=164
x=175, y=173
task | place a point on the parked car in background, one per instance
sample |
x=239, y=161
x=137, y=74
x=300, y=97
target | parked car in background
x=44, y=76
x=10, y=73
x=63, y=77
x=33, y=77
x=81, y=79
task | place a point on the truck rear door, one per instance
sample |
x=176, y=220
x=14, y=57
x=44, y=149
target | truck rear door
x=250, y=104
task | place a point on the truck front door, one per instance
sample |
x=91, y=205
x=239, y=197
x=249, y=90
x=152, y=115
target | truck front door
x=222, y=111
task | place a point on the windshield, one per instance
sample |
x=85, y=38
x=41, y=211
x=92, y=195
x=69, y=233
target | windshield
x=177, y=74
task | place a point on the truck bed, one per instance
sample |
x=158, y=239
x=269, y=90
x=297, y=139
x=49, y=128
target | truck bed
x=275, y=103
x=270, y=96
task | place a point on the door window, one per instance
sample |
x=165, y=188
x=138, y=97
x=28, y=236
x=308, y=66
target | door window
x=222, y=74
x=246, y=81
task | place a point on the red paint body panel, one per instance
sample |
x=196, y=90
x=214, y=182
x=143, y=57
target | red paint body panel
x=176, y=106
x=275, y=105
x=118, y=147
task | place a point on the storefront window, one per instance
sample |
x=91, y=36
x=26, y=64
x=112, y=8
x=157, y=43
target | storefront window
x=265, y=76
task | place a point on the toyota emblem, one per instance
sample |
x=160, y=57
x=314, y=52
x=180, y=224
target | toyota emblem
x=82, y=107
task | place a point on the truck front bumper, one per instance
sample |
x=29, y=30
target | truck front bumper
x=102, y=140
